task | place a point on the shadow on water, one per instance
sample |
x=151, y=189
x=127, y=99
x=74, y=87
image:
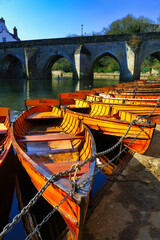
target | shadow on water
x=7, y=186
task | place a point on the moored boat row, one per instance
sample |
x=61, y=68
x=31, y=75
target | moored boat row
x=49, y=140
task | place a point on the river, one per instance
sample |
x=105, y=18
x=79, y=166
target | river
x=12, y=94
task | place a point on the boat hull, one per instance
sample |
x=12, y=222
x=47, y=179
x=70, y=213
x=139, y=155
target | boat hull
x=5, y=134
x=72, y=207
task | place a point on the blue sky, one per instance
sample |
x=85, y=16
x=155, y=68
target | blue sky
x=41, y=19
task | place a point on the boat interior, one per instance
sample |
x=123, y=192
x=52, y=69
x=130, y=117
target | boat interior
x=48, y=137
x=102, y=110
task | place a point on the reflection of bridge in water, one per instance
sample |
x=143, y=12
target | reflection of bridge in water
x=35, y=58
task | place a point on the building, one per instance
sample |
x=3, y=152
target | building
x=5, y=35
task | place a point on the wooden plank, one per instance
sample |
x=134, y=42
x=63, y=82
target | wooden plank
x=55, y=156
x=53, y=151
x=71, y=95
x=61, y=166
x=78, y=107
x=44, y=101
x=44, y=115
x=3, y=128
x=43, y=132
x=50, y=137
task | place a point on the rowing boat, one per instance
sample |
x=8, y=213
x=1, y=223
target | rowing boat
x=7, y=167
x=5, y=136
x=134, y=96
x=99, y=116
x=48, y=141
x=102, y=97
x=138, y=107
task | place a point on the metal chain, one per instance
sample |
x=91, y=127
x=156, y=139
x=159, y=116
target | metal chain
x=152, y=110
x=55, y=177
x=110, y=161
x=47, y=217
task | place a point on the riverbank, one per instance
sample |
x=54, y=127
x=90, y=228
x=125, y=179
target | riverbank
x=107, y=75
x=130, y=210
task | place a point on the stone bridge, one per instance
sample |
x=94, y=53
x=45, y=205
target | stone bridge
x=34, y=59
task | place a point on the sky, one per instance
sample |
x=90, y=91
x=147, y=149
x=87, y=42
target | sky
x=43, y=19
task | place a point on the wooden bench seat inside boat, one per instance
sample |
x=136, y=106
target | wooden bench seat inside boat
x=51, y=151
x=78, y=107
x=61, y=167
x=55, y=156
x=3, y=128
x=50, y=137
x=44, y=115
x=43, y=130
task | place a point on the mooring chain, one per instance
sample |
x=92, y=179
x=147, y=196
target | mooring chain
x=110, y=161
x=157, y=104
x=37, y=228
x=55, y=177
x=47, y=217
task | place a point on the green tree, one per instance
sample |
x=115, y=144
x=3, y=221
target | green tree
x=62, y=64
x=149, y=63
x=106, y=64
x=129, y=25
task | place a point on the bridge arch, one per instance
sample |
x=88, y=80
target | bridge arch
x=49, y=61
x=154, y=52
x=104, y=54
x=12, y=67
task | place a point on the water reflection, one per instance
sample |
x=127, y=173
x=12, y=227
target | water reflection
x=14, y=91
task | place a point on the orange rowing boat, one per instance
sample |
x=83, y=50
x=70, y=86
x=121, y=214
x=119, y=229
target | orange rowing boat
x=99, y=116
x=48, y=141
x=5, y=136
x=138, y=107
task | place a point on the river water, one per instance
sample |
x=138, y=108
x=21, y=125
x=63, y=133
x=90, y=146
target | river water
x=12, y=94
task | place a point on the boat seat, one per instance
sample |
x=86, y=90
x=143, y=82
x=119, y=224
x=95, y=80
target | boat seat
x=78, y=107
x=44, y=115
x=50, y=137
x=52, y=151
x=48, y=132
x=3, y=128
x=61, y=167
x=55, y=156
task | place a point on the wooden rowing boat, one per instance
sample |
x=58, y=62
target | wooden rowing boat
x=134, y=96
x=99, y=116
x=102, y=97
x=5, y=136
x=138, y=107
x=7, y=170
x=47, y=142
